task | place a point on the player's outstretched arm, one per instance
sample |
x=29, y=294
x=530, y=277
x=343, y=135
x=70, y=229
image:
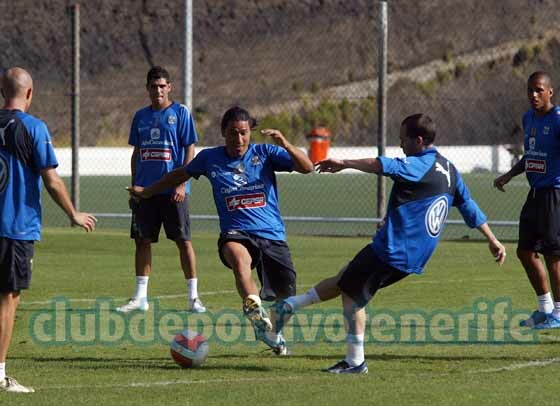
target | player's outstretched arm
x=502, y=180
x=332, y=165
x=171, y=179
x=496, y=247
x=57, y=190
x=302, y=163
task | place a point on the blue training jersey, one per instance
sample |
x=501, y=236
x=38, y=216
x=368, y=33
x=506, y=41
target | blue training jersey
x=244, y=189
x=426, y=186
x=542, y=148
x=25, y=149
x=161, y=137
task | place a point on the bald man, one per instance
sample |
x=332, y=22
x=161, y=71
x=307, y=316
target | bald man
x=539, y=222
x=26, y=158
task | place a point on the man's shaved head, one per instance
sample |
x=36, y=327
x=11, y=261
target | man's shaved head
x=539, y=75
x=15, y=83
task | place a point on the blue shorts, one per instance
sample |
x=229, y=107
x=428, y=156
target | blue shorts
x=365, y=275
x=271, y=258
x=149, y=214
x=16, y=257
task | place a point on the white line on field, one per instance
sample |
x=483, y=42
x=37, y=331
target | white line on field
x=174, y=382
x=506, y=368
x=514, y=367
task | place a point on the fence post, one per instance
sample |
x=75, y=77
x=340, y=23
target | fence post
x=188, y=52
x=75, y=189
x=382, y=103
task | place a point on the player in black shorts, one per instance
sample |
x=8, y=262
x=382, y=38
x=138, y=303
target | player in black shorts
x=539, y=222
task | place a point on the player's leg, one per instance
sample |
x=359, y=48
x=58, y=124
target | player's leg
x=177, y=225
x=239, y=253
x=359, y=282
x=144, y=229
x=15, y=275
x=529, y=243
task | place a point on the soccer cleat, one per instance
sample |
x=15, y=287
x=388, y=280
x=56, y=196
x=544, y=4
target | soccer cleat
x=196, y=306
x=343, y=367
x=134, y=304
x=549, y=323
x=278, y=347
x=282, y=309
x=536, y=318
x=11, y=385
x=256, y=313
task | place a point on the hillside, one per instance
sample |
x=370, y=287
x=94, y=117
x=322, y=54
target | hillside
x=268, y=53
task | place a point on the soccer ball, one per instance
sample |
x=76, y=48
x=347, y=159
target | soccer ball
x=189, y=349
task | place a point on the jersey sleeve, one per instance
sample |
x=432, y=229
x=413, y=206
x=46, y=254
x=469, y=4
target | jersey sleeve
x=408, y=168
x=473, y=216
x=197, y=166
x=280, y=158
x=133, y=136
x=187, y=129
x=43, y=151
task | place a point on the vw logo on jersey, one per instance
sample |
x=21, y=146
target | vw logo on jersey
x=436, y=216
x=154, y=133
x=4, y=174
x=172, y=120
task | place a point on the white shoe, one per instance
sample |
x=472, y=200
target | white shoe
x=11, y=385
x=134, y=304
x=256, y=314
x=196, y=306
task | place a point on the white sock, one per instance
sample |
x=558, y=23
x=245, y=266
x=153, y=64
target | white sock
x=141, y=287
x=556, y=311
x=308, y=298
x=192, y=288
x=2, y=371
x=354, y=349
x=544, y=303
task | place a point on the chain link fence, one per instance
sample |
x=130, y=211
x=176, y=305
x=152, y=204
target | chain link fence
x=295, y=66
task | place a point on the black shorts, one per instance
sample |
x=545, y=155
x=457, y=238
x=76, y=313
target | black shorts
x=273, y=262
x=149, y=214
x=365, y=275
x=539, y=222
x=16, y=257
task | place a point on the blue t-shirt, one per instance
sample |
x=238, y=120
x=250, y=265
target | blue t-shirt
x=542, y=148
x=161, y=138
x=244, y=189
x=25, y=150
x=426, y=186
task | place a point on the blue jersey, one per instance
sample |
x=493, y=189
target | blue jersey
x=244, y=189
x=161, y=138
x=426, y=186
x=25, y=149
x=542, y=148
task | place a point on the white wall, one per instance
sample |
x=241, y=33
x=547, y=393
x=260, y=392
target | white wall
x=116, y=161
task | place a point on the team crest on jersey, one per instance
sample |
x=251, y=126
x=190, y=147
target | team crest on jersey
x=532, y=143
x=436, y=216
x=155, y=133
x=255, y=160
x=172, y=120
x=239, y=176
x=4, y=174
x=546, y=130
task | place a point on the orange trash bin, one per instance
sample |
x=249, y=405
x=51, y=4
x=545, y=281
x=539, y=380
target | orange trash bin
x=319, y=143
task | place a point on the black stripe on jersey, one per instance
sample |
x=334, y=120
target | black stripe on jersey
x=15, y=139
x=439, y=179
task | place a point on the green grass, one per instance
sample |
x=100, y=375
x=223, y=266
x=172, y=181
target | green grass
x=314, y=195
x=80, y=267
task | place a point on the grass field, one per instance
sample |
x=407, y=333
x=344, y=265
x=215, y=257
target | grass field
x=81, y=268
x=314, y=195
